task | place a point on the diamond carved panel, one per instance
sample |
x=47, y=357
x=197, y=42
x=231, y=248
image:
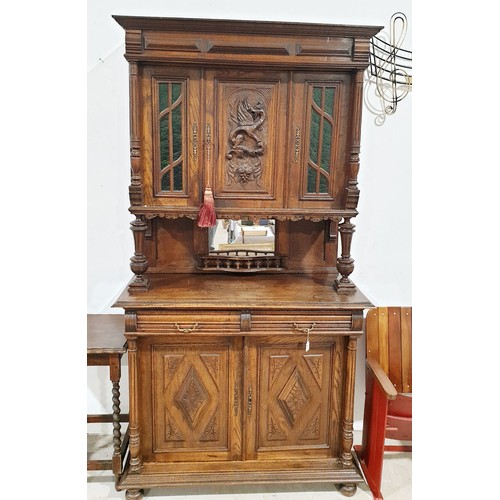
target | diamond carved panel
x=294, y=397
x=192, y=397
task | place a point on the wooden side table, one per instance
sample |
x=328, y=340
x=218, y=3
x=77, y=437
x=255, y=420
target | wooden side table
x=106, y=345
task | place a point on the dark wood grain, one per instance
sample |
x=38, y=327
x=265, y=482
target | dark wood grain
x=239, y=376
x=295, y=291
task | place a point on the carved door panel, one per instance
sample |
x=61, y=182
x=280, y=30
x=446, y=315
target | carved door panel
x=172, y=135
x=294, y=398
x=320, y=118
x=194, y=400
x=246, y=137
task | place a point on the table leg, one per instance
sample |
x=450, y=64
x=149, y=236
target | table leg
x=114, y=375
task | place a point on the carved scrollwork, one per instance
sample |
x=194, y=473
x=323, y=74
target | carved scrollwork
x=164, y=215
x=243, y=216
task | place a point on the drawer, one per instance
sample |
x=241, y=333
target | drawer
x=239, y=322
x=196, y=323
x=283, y=323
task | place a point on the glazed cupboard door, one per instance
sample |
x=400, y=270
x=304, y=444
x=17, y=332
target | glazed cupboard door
x=171, y=136
x=320, y=118
x=192, y=399
x=293, y=398
x=246, y=137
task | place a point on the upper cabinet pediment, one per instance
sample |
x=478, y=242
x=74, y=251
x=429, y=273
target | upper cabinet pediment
x=278, y=43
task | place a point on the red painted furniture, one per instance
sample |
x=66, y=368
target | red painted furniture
x=388, y=411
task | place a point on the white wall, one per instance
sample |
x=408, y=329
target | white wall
x=382, y=241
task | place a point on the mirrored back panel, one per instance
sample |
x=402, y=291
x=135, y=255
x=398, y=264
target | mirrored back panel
x=230, y=235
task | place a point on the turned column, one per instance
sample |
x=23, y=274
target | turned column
x=133, y=378
x=139, y=261
x=135, y=188
x=352, y=191
x=134, y=434
x=345, y=264
x=347, y=422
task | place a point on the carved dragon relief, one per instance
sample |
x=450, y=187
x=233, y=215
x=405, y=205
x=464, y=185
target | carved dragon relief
x=245, y=144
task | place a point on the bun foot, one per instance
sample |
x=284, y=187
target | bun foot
x=134, y=494
x=348, y=490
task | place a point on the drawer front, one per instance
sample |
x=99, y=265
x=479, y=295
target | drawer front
x=299, y=323
x=237, y=322
x=185, y=323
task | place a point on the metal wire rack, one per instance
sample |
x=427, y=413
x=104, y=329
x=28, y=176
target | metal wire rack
x=391, y=66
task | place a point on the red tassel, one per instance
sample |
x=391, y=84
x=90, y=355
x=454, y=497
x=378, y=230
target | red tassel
x=206, y=215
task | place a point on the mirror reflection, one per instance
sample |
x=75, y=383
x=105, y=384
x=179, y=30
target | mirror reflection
x=230, y=235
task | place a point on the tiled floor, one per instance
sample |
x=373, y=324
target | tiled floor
x=396, y=485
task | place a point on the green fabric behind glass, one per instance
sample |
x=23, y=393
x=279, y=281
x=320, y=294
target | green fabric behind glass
x=177, y=132
x=164, y=142
x=178, y=177
x=326, y=146
x=170, y=96
x=317, y=91
x=314, y=136
x=165, y=181
x=329, y=91
x=163, y=95
x=320, y=153
x=176, y=91
x=323, y=184
x=311, y=179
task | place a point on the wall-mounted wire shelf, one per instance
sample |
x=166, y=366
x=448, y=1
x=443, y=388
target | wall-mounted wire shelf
x=389, y=70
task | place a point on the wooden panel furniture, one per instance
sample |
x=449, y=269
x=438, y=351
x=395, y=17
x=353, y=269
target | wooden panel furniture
x=388, y=408
x=242, y=363
x=106, y=344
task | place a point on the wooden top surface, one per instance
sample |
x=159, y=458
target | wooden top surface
x=105, y=334
x=257, y=292
x=244, y=27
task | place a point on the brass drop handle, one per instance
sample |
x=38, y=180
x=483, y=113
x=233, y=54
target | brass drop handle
x=187, y=330
x=306, y=331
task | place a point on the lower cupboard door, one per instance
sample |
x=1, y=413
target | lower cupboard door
x=294, y=397
x=193, y=402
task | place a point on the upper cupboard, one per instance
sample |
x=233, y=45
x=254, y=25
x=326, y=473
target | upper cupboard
x=269, y=139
